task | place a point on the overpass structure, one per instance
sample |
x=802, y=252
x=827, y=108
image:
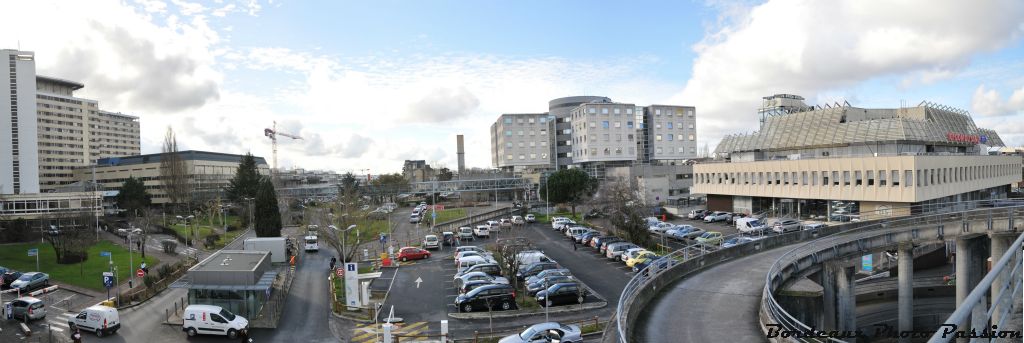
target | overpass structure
x=466, y=185
x=744, y=292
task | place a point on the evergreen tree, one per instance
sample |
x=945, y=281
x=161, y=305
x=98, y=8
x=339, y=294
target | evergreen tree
x=246, y=181
x=569, y=186
x=133, y=196
x=268, y=215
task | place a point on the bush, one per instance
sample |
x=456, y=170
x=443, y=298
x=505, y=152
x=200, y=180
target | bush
x=169, y=246
x=165, y=270
x=149, y=280
x=211, y=240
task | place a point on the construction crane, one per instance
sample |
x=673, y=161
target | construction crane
x=273, y=133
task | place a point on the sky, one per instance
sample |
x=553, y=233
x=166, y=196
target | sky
x=368, y=84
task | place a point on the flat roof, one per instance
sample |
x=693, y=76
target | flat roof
x=66, y=83
x=187, y=155
x=232, y=260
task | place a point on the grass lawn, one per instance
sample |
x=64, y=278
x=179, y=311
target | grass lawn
x=451, y=214
x=87, y=274
x=204, y=231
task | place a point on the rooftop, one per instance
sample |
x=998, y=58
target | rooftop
x=66, y=83
x=187, y=155
x=232, y=260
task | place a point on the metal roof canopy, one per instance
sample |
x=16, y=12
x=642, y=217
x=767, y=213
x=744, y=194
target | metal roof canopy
x=266, y=281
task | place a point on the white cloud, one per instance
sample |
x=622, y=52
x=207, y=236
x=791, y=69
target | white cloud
x=809, y=47
x=988, y=102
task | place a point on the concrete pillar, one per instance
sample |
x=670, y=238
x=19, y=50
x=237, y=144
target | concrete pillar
x=1000, y=243
x=970, y=268
x=846, y=296
x=905, y=265
x=828, y=302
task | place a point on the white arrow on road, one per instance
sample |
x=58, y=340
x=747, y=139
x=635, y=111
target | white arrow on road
x=418, y=280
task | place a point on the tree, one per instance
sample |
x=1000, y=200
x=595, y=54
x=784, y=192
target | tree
x=570, y=186
x=133, y=195
x=349, y=182
x=246, y=181
x=70, y=236
x=267, y=213
x=626, y=211
x=173, y=172
x=444, y=174
x=509, y=253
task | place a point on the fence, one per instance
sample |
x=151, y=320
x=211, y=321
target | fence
x=270, y=315
x=471, y=220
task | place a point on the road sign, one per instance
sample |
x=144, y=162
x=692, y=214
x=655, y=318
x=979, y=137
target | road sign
x=140, y=273
x=383, y=238
x=33, y=252
x=866, y=263
x=108, y=280
x=352, y=285
x=339, y=272
x=104, y=254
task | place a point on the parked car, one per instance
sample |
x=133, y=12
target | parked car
x=750, y=225
x=598, y=241
x=415, y=218
x=505, y=223
x=466, y=233
x=431, y=242
x=466, y=254
x=28, y=308
x=734, y=241
x=482, y=231
x=518, y=220
x=534, y=269
x=586, y=237
x=494, y=225
x=474, y=276
x=101, y=320
x=573, y=231
x=469, y=261
x=469, y=248
x=696, y=214
x=492, y=269
x=530, y=218
x=547, y=332
x=636, y=258
x=813, y=226
x=549, y=272
x=717, y=216
x=679, y=231
x=561, y=294
x=526, y=258
x=786, y=225
x=498, y=296
x=710, y=238
x=471, y=285
x=212, y=320
x=448, y=238
x=413, y=253
x=606, y=243
x=630, y=254
x=615, y=249
x=8, y=278
x=532, y=288
x=735, y=216
x=660, y=227
x=661, y=262
x=578, y=237
x=30, y=281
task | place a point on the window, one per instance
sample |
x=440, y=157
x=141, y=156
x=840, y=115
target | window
x=907, y=177
x=871, y=177
x=629, y=125
x=670, y=137
x=542, y=120
x=803, y=178
x=508, y=157
x=522, y=157
x=657, y=125
x=857, y=179
x=508, y=120
x=533, y=144
x=629, y=111
x=618, y=137
x=846, y=178
x=520, y=120
x=657, y=112
x=657, y=137
x=689, y=113
x=691, y=137
x=604, y=110
x=520, y=144
x=508, y=145
x=814, y=178
x=835, y=178
x=618, y=125
x=543, y=143
x=606, y=137
x=680, y=137
x=508, y=132
x=604, y=124
x=691, y=126
x=881, y=178
x=593, y=124
x=520, y=132
x=659, y=150
x=785, y=178
x=630, y=137
x=617, y=111
x=668, y=125
x=592, y=110
x=531, y=120
x=533, y=156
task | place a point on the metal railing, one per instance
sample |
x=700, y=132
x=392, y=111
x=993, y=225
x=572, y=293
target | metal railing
x=697, y=250
x=790, y=260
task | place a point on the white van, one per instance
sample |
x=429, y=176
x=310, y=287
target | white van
x=312, y=244
x=749, y=225
x=526, y=258
x=102, y=320
x=212, y=320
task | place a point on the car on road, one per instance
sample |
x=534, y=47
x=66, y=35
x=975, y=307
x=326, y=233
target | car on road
x=560, y=271
x=494, y=225
x=543, y=283
x=482, y=231
x=475, y=276
x=448, y=238
x=466, y=233
x=101, y=320
x=414, y=219
x=505, y=223
x=632, y=261
x=547, y=332
x=631, y=253
x=413, y=253
x=615, y=249
x=534, y=269
x=696, y=214
x=530, y=218
x=750, y=225
x=431, y=242
x=498, y=296
x=28, y=308
x=518, y=220
x=786, y=225
x=492, y=269
x=660, y=227
x=717, y=216
x=561, y=294
x=30, y=281
x=710, y=238
x=734, y=241
x=212, y=320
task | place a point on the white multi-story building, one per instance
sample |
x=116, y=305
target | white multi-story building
x=671, y=132
x=19, y=171
x=604, y=132
x=522, y=141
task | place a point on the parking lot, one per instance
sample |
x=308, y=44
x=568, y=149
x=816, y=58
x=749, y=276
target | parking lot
x=60, y=304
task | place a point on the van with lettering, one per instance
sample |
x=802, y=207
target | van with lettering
x=101, y=320
x=212, y=320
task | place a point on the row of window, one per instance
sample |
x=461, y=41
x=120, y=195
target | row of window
x=531, y=120
x=670, y=137
x=543, y=156
x=881, y=178
x=543, y=132
x=524, y=144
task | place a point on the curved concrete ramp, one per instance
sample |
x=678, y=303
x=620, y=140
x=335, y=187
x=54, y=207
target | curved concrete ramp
x=720, y=304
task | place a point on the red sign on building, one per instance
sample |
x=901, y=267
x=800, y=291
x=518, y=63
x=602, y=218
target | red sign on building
x=963, y=138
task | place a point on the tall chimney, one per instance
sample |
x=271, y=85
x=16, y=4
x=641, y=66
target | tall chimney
x=461, y=150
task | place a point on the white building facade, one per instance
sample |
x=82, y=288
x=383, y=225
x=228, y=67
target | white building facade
x=19, y=158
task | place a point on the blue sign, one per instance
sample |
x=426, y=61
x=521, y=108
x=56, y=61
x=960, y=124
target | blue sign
x=104, y=254
x=108, y=280
x=433, y=215
x=33, y=252
x=866, y=263
x=983, y=139
x=7, y=310
x=383, y=238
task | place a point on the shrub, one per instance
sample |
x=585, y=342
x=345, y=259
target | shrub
x=149, y=280
x=165, y=270
x=211, y=240
x=169, y=246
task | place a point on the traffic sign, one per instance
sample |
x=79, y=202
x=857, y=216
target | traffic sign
x=140, y=273
x=339, y=272
x=108, y=280
x=104, y=254
x=33, y=252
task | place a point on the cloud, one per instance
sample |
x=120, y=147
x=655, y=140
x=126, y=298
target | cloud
x=443, y=104
x=356, y=147
x=988, y=102
x=810, y=47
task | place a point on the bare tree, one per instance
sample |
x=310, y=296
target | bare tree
x=70, y=236
x=626, y=209
x=509, y=255
x=174, y=173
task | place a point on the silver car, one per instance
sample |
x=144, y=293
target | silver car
x=28, y=308
x=30, y=281
x=547, y=332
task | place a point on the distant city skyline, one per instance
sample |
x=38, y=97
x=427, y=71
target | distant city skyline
x=370, y=84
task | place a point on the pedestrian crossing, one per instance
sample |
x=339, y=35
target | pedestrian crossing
x=367, y=333
x=57, y=323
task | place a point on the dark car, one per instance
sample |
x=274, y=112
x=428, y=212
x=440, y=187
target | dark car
x=585, y=238
x=471, y=285
x=9, y=277
x=534, y=269
x=561, y=294
x=596, y=241
x=500, y=297
x=539, y=285
x=661, y=262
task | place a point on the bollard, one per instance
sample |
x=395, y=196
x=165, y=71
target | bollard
x=444, y=330
x=595, y=323
x=167, y=317
x=476, y=336
x=387, y=332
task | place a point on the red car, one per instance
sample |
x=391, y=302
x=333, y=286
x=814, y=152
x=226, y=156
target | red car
x=412, y=253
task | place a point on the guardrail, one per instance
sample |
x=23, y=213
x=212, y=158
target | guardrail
x=470, y=220
x=811, y=254
x=695, y=257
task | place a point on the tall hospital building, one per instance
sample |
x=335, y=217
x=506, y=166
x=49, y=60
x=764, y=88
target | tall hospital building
x=833, y=162
x=48, y=132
